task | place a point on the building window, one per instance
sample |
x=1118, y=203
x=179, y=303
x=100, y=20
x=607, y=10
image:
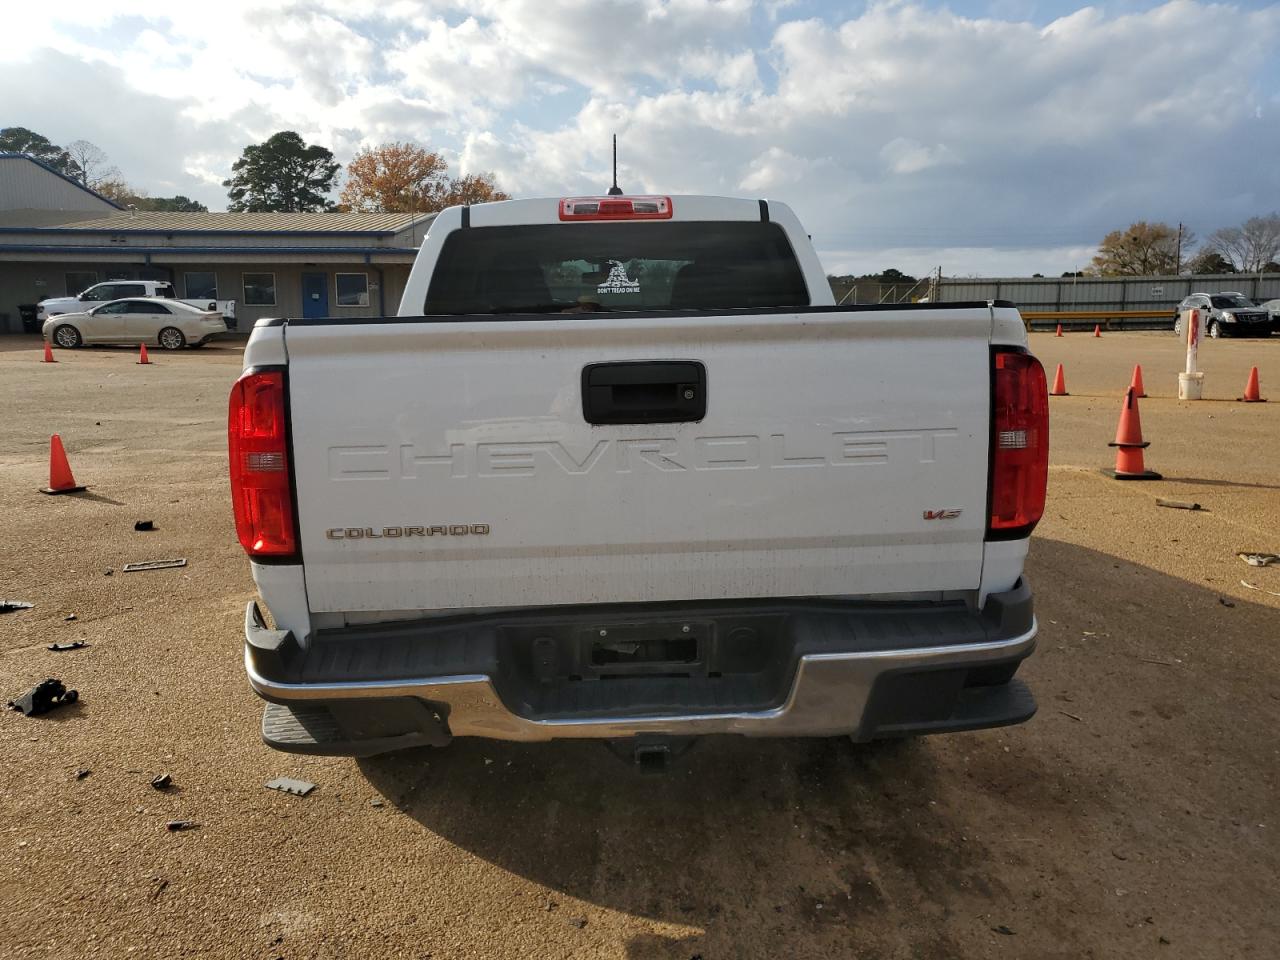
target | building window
x=201, y=285
x=260, y=289
x=353, y=289
x=79, y=281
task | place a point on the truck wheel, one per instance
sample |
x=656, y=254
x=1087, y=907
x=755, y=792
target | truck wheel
x=67, y=336
x=171, y=338
x=1215, y=329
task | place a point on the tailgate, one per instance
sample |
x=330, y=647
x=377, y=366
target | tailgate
x=450, y=464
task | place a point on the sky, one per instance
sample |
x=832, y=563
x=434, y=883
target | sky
x=985, y=137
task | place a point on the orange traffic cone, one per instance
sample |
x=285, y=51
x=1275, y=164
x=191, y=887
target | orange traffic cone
x=48, y=353
x=1097, y=329
x=1129, y=444
x=1138, y=389
x=142, y=355
x=1251, y=392
x=1059, y=384
x=1059, y=333
x=60, y=478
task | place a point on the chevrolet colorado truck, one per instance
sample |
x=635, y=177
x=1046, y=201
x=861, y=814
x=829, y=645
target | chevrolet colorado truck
x=620, y=469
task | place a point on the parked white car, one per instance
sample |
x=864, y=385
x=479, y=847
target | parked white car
x=101, y=293
x=171, y=324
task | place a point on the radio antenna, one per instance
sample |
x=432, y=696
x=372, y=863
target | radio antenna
x=615, y=190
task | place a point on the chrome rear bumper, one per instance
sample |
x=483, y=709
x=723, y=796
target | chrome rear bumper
x=864, y=680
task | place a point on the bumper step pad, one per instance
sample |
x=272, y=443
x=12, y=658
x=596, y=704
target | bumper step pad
x=305, y=728
x=976, y=708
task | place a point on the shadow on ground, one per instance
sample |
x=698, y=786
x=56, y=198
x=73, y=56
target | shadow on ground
x=766, y=848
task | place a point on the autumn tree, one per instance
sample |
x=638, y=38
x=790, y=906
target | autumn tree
x=394, y=178
x=407, y=178
x=283, y=173
x=1142, y=250
x=473, y=188
x=115, y=188
x=1250, y=247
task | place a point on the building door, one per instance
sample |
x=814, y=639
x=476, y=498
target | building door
x=315, y=295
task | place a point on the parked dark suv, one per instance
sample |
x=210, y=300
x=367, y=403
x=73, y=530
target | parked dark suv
x=1230, y=314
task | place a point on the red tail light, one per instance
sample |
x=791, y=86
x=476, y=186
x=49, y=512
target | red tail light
x=261, y=488
x=615, y=208
x=1019, y=445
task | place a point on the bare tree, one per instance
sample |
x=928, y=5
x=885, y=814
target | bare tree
x=1251, y=246
x=90, y=165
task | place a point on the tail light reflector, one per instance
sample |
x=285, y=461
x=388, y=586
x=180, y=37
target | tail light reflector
x=1020, y=445
x=261, y=483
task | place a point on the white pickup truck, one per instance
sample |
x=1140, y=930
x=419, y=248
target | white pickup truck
x=100, y=293
x=619, y=469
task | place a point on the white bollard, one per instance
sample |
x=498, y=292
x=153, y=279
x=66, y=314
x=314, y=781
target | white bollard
x=1191, y=383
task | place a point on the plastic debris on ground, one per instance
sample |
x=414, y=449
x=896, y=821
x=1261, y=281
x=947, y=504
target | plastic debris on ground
x=299, y=788
x=8, y=606
x=44, y=696
x=1258, y=559
x=154, y=565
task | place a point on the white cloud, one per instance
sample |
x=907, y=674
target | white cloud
x=904, y=155
x=901, y=128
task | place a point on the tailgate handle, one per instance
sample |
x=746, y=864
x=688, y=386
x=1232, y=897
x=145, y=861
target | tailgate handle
x=644, y=391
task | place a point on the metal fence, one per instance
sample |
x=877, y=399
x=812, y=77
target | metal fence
x=1119, y=294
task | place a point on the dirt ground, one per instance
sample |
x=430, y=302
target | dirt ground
x=1135, y=816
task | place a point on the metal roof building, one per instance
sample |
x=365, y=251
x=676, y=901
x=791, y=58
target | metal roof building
x=57, y=238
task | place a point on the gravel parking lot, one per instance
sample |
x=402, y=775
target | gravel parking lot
x=1135, y=816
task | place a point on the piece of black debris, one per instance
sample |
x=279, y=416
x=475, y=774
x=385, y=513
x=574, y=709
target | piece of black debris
x=173, y=826
x=162, y=782
x=1178, y=504
x=1003, y=931
x=68, y=618
x=1225, y=602
x=8, y=606
x=73, y=645
x=578, y=922
x=1165, y=941
x=299, y=788
x=154, y=565
x=44, y=696
x=144, y=525
x=82, y=773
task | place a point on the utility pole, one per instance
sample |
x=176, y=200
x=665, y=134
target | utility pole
x=1177, y=265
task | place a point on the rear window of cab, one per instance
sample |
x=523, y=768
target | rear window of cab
x=591, y=267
